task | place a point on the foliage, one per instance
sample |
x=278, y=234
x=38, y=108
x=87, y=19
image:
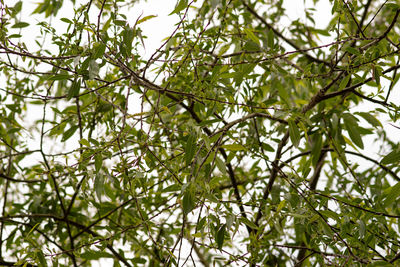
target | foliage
x=239, y=141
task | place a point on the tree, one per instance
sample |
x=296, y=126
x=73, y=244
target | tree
x=239, y=141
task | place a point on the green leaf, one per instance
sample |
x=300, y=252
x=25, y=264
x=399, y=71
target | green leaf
x=393, y=194
x=138, y=260
x=316, y=147
x=59, y=77
x=93, y=69
x=66, y=20
x=181, y=5
x=14, y=36
x=59, y=129
x=267, y=147
x=172, y=188
x=248, y=223
x=351, y=124
x=221, y=165
x=362, y=228
x=74, y=89
x=99, y=185
x=233, y=147
x=393, y=6
x=252, y=36
x=145, y=18
x=20, y=25
x=84, y=142
x=128, y=35
x=98, y=50
x=344, y=82
x=94, y=255
x=17, y=7
x=392, y=157
x=188, y=201
x=42, y=259
x=352, y=50
x=270, y=38
x=98, y=161
x=294, y=133
x=220, y=236
x=190, y=148
x=370, y=119
x=283, y=94
x=68, y=133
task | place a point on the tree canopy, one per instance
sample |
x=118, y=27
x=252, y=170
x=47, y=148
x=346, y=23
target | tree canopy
x=247, y=138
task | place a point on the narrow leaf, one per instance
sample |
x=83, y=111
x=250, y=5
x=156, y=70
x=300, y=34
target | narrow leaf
x=351, y=124
x=99, y=185
x=74, y=89
x=145, y=18
x=294, y=133
x=233, y=147
x=20, y=25
x=248, y=223
x=188, y=203
x=99, y=49
x=220, y=236
x=370, y=119
x=182, y=4
x=98, y=161
x=251, y=36
x=392, y=157
x=270, y=37
x=221, y=165
x=68, y=133
x=190, y=148
x=393, y=195
x=344, y=82
x=59, y=77
x=352, y=50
